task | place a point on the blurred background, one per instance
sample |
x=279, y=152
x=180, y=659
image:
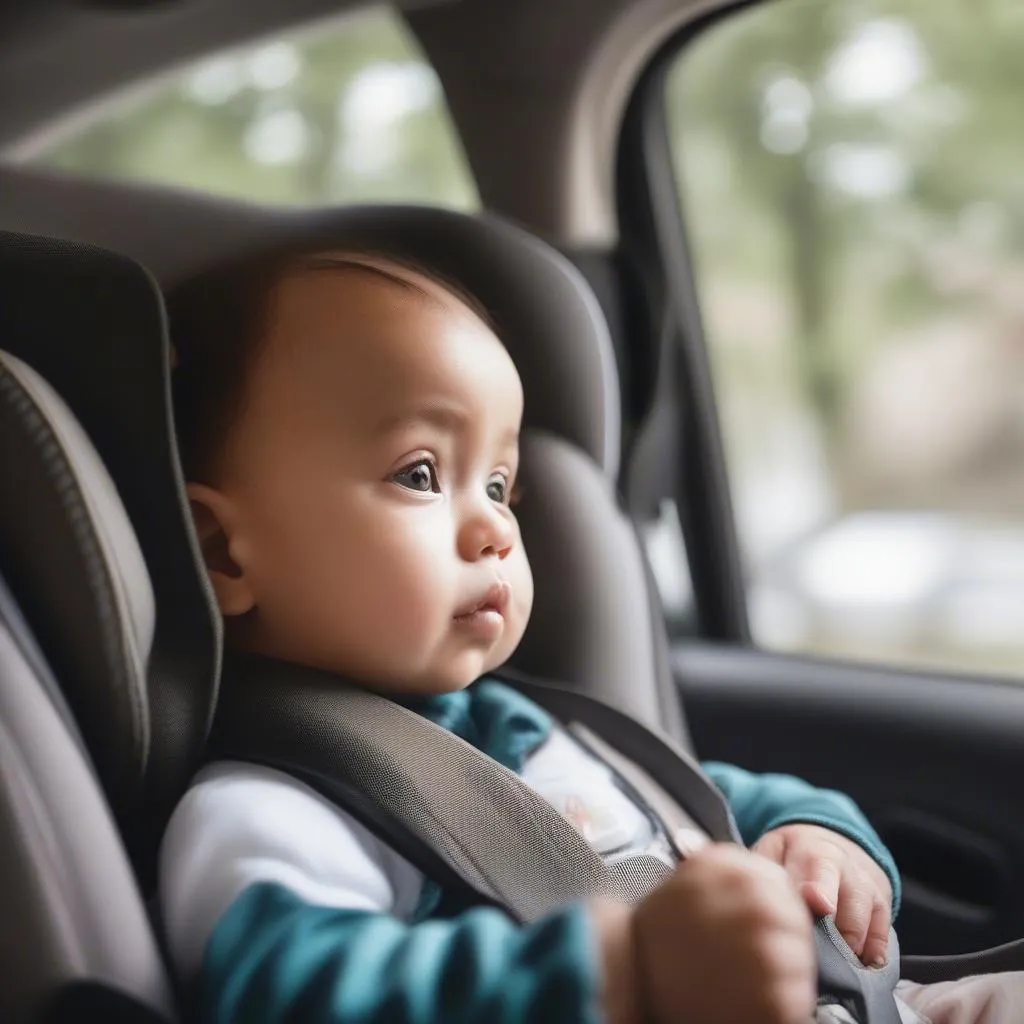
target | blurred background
x=851, y=173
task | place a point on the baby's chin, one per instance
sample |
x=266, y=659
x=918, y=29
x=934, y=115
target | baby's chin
x=459, y=673
x=446, y=671
x=458, y=677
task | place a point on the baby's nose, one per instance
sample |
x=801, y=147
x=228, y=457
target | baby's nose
x=485, y=535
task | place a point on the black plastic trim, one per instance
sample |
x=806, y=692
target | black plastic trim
x=654, y=239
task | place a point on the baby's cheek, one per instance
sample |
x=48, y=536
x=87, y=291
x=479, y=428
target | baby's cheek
x=521, y=579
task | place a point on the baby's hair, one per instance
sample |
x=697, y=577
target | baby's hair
x=218, y=323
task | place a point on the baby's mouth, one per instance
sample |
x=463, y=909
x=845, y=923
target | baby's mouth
x=486, y=614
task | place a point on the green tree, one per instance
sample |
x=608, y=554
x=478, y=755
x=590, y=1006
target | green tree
x=955, y=129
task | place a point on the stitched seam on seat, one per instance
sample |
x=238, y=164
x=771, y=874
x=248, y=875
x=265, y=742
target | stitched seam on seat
x=97, y=571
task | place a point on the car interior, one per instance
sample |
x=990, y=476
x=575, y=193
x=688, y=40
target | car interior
x=592, y=264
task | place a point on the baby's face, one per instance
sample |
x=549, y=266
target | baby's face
x=367, y=482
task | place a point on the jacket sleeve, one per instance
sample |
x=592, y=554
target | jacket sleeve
x=761, y=803
x=274, y=958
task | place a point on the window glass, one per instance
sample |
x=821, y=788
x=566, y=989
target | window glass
x=347, y=112
x=851, y=174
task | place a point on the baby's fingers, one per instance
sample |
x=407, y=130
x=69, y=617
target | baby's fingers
x=818, y=880
x=855, y=913
x=876, y=946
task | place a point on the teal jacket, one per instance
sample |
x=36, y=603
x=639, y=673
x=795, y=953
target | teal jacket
x=273, y=958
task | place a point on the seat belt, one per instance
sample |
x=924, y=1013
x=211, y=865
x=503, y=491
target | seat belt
x=493, y=832
x=465, y=817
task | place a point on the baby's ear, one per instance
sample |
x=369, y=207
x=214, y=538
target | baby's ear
x=211, y=514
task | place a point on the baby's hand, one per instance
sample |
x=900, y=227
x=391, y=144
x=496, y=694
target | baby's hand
x=835, y=876
x=726, y=938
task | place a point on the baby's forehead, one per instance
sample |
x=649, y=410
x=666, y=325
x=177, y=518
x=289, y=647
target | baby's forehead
x=366, y=306
x=369, y=326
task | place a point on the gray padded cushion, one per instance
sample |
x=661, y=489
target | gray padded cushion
x=69, y=906
x=593, y=625
x=91, y=324
x=71, y=555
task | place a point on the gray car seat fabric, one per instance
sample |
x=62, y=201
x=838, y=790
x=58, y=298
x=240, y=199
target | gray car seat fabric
x=72, y=919
x=91, y=326
x=68, y=550
x=70, y=911
x=596, y=621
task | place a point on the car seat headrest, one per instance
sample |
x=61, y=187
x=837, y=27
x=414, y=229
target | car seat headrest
x=68, y=548
x=544, y=311
x=85, y=369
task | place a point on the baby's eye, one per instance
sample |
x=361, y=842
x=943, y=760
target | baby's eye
x=497, y=488
x=420, y=476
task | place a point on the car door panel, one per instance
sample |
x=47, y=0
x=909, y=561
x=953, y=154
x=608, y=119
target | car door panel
x=937, y=763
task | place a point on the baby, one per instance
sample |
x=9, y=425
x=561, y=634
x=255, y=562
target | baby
x=349, y=427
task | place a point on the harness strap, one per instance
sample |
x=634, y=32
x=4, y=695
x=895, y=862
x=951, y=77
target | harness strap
x=492, y=831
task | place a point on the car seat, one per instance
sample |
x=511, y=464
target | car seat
x=76, y=626
x=102, y=348
x=91, y=324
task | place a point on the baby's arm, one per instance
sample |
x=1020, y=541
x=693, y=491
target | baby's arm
x=279, y=906
x=275, y=957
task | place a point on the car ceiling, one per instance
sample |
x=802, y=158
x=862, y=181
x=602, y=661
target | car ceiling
x=536, y=87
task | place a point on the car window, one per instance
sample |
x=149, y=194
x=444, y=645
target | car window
x=851, y=175
x=347, y=111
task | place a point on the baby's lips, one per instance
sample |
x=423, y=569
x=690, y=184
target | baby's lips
x=499, y=596
x=496, y=597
